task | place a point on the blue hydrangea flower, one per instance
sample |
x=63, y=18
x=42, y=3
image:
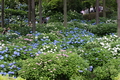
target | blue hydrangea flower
x=2, y=65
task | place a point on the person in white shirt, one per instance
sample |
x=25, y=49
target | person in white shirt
x=92, y=9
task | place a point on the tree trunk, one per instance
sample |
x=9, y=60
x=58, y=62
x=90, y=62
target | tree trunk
x=97, y=11
x=33, y=16
x=65, y=13
x=118, y=8
x=104, y=8
x=2, y=24
x=29, y=11
x=40, y=11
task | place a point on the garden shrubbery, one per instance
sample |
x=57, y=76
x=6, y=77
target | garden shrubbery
x=92, y=15
x=117, y=77
x=103, y=29
x=108, y=71
x=82, y=51
x=58, y=66
x=58, y=17
x=10, y=78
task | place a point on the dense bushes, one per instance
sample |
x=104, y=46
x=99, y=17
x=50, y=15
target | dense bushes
x=64, y=48
x=15, y=12
x=117, y=77
x=58, y=17
x=107, y=71
x=91, y=16
x=103, y=29
x=10, y=78
x=97, y=56
x=58, y=66
x=99, y=30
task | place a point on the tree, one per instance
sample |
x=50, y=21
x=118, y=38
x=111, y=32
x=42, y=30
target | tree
x=40, y=11
x=104, y=8
x=65, y=13
x=118, y=8
x=29, y=11
x=33, y=16
x=97, y=11
x=2, y=13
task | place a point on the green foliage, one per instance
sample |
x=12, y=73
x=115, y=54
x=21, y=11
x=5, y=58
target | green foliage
x=78, y=78
x=107, y=71
x=10, y=78
x=58, y=66
x=53, y=6
x=11, y=3
x=117, y=77
x=1, y=29
x=92, y=45
x=50, y=27
x=103, y=29
x=21, y=29
x=15, y=12
x=14, y=26
x=24, y=30
x=101, y=20
x=75, y=5
x=78, y=24
x=112, y=5
x=57, y=17
x=92, y=15
x=97, y=56
x=24, y=52
x=74, y=15
x=8, y=36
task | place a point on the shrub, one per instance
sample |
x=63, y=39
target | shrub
x=1, y=29
x=97, y=56
x=15, y=53
x=20, y=29
x=103, y=29
x=10, y=78
x=78, y=24
x=91, y=45
x=74, y=15
x=118, y=77
x=91, y=16
x=49, y=27
x=58, y=17
x=8, y=36
x=58, y=66
x=107, y=71
x=10, y=68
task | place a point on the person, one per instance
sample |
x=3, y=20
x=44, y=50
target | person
x=47, y=18
x=92, y=9
x=8, y=30
x=36, y=21
x=101, y=8
x=44, y=20
x=86, y=11
x=30, y=24
x=83, y=12
x=4, y=31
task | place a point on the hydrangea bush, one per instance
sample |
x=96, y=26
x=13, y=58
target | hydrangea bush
x=53, y=38
x=60, y=66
